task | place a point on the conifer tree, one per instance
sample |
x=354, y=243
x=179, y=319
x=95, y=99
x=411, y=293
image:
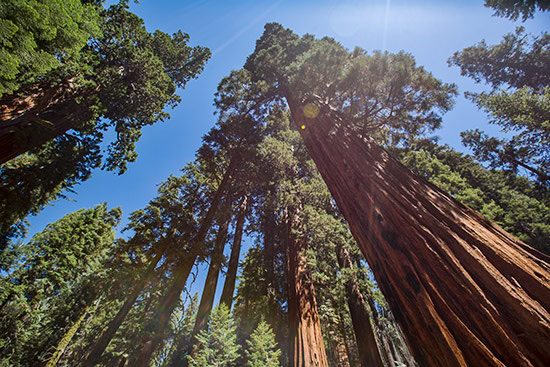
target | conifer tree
x=218, y=344
x=262, y=349
x=52, y=280
x=410, y=232
x=121, y=80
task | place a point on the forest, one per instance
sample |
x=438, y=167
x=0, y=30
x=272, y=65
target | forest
x=321, y=220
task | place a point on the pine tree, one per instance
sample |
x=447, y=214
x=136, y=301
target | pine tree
x=262, y=349
x=52, y=280
x=519, y=102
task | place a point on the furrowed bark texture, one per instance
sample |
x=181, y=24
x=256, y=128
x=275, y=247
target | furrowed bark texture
x=114, y=325
x=307, y=348
x=465, y=292
x=232, y=266
x=364, y=333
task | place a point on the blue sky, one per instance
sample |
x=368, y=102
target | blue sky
x=430, y=30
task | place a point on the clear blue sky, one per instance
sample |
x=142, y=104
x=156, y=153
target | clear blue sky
x=430, y=30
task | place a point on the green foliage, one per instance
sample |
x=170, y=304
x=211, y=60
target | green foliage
x=515, y=204
x=122, y=81
x=37, y=36
x=262, y=349
x=522, y=109
x=217, y=346
x=385, y=95
x=51, y=280
x=513, y=9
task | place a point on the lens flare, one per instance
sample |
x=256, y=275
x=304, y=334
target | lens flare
x=311, y=110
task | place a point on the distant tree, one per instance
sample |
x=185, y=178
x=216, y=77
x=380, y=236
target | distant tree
x=217, y=345
x=513, y=9
x=262, y=349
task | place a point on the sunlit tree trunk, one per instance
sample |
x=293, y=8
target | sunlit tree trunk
x=232, y=267
x=306, y=340
x=66, y=340
x=465, y=292
x=364, y=333
x=47, y=112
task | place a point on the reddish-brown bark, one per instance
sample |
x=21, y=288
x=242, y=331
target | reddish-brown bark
x=362, y=328
x=307, y=348
x=46, y=112
x=465, y=292
x=232, y=267
x=211, y=282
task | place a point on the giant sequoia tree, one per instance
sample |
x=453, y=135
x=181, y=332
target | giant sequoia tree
x=464, y=291
x=122, y=80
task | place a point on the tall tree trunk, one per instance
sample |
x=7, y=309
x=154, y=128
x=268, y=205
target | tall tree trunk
x=307, y=348
x=364, y=333
x=170, y=299
x=269, y=229
x=232, y=267
x=114, y=324
x=166, y=306
x=211, y=282
x=465, y=292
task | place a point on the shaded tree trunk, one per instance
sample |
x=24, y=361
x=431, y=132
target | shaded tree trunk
x=166, y=306
x=211, y=282
x=306, y=340
x=269, y=226
x=114, y=324
x=465, y=292
x=232, y=267
x=364, y=333
x=171, y=297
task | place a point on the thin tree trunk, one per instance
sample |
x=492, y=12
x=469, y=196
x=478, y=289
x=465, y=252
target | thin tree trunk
x=364, y=333
x=232, y=266
x=66, y=340
x=166, y=306
x=114, y=324
x=465, y=292
x=351, y=360
x=269, y=258
x=307, y=348
x=211, y=282
x=170, y=300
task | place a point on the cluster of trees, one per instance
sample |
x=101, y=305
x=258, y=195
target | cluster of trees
x=307, y=162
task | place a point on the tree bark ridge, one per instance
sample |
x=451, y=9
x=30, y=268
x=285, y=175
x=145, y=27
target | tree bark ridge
x=464, y=291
